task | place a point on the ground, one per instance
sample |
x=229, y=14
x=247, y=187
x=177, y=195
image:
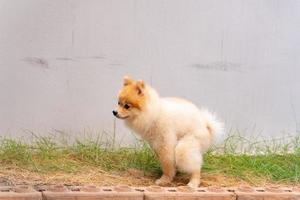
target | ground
x=43, y=161
x=95, y=176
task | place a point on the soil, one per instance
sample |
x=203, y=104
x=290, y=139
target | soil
x=94, y=176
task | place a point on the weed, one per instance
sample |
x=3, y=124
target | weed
x=275, y=160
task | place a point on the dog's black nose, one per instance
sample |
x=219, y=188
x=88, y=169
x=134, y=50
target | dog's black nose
x=115, y=112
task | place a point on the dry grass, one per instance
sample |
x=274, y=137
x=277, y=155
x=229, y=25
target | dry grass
x=96, y=176
x=44, y=161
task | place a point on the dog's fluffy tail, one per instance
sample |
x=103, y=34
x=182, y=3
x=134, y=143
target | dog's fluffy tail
x=215, y=127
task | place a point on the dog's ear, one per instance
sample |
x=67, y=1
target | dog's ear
x=127, y=80
x=140, y=86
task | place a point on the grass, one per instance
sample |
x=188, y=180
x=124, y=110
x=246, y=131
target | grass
x=267, y=161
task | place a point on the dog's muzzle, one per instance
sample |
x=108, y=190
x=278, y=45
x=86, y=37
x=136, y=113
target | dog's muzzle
x=115, y=113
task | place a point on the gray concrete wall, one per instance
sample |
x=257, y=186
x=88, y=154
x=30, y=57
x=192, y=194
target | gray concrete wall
x=62, y=61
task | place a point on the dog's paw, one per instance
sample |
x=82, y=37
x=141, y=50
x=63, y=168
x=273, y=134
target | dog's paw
x=163, y=181
x=193, y=184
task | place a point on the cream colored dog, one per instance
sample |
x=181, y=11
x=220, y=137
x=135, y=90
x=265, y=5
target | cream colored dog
x=176, y=129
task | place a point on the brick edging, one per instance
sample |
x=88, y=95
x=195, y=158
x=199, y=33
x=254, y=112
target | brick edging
x=60, y=192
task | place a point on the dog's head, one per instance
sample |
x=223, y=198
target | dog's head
x=131, y=99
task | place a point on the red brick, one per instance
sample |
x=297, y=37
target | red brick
x=19, y=193
x=187, y=193
x=93, y=193
x=60, y=192
x=268, y=193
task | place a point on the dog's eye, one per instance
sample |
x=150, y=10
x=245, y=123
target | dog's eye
x=119, y=103
x=126, y=106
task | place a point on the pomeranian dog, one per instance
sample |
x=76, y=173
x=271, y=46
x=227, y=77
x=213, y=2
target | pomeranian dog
x=176, y=129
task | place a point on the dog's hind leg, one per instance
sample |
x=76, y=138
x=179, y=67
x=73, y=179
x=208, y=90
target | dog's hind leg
x=189, y=158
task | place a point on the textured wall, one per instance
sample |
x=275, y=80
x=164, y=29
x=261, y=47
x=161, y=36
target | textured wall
x=61, y=61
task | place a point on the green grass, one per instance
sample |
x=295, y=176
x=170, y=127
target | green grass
x=276, y=160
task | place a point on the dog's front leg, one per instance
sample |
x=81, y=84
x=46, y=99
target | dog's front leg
x=166, y=157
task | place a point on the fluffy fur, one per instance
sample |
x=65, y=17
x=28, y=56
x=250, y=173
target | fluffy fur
x=176, y=129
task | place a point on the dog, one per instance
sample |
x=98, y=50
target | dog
x=176, y=129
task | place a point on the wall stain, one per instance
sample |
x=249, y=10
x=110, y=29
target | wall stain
x=91, y=57
x=37, y=61
x=80, y=58
x=65, y=59
x=219, y=66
